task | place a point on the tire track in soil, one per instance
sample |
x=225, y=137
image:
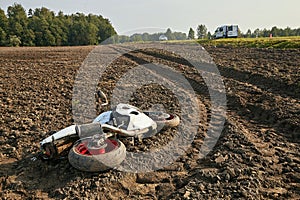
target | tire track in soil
x=263, y=148
x=178, y=167
x=271, y=136
x=137, y=60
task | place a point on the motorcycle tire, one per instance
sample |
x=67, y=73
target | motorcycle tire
x=171, y=121
x=164, y=119
x=81, y=158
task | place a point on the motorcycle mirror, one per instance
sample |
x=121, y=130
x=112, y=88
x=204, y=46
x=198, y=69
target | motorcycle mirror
x=101, y=97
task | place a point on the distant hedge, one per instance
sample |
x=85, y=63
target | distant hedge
x=292, y=42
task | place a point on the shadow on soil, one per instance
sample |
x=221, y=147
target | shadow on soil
x=27, y=177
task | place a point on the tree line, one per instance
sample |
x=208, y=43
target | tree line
x=274, y=31
x=202, y=32
x=144, y=37
x=41, y=27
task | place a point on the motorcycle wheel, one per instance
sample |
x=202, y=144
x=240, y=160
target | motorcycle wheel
x=165, y=119
x=172, y=121
x=96, y=160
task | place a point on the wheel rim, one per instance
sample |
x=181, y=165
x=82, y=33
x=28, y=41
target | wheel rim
x=170, y=117
x=82, y=148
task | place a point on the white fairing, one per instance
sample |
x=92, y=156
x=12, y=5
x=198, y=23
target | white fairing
x=138, y=120
x=138, y=123
x=60, y=134
x=103, y=118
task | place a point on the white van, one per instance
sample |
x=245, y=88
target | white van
x=226, y=32
x=163, y=38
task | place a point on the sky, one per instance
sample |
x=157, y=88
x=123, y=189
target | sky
x=129, y=16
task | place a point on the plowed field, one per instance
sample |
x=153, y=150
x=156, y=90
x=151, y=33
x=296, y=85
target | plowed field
x=256, y=157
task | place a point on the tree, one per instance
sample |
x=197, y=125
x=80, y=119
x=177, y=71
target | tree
x=2, y=37
x=275, y=31
x=3, y=28
x=136, y=38
x=78, y=33
x=29, y=37
x=145, y=36
x=63, y=22
x=14, y=41
x=124, y=38
x=256, y=33
x=265, y=33
x=105, y=29
x=180, y=36
x=18, y=21
x=298, y=32
x=209, y=35
x=49, y=38
x=92, y=34
x=201, y=31
x=287, y=32
x=3, y=20
x=248, y=34
x=169, y=34
x=57, y=32
x=40, y=27
x=191, y=35
x=240, y=34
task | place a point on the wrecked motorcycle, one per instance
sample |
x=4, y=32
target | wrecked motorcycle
x=96, y=146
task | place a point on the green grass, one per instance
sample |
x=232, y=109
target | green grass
x=275, y=42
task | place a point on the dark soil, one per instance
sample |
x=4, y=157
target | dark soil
x=256, y=157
